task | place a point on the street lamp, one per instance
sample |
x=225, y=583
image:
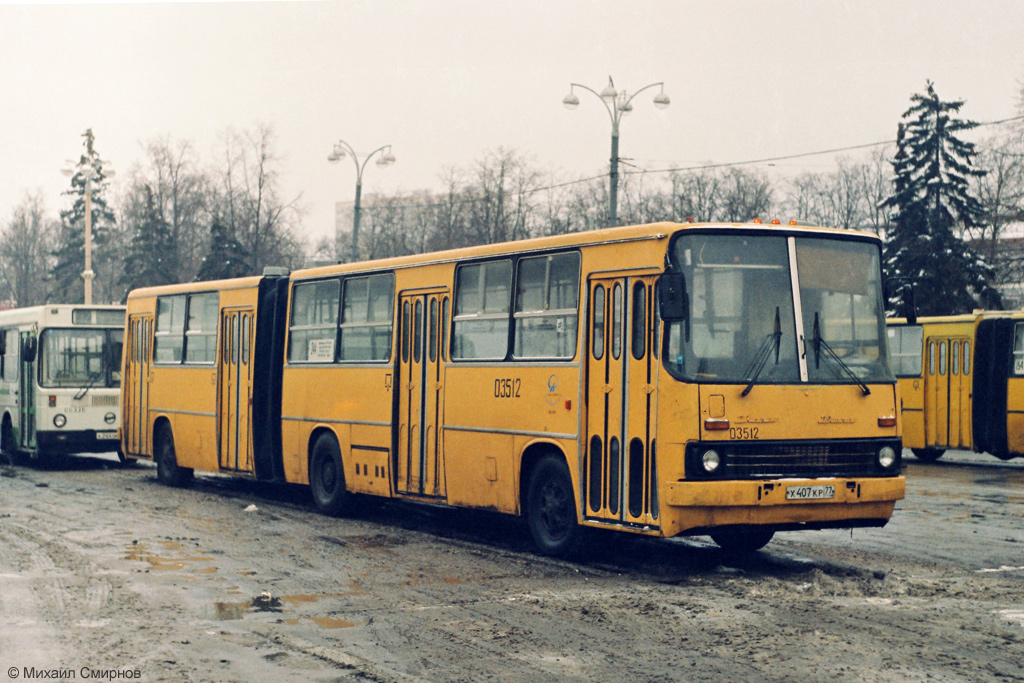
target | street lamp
x=89, y=167
x=618, y=104
x=343, y=149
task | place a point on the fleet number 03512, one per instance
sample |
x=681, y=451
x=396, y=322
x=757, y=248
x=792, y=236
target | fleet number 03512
x=748, y=433
x=507, y=388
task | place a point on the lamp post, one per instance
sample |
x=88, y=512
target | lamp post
x=618, y=103
x=89, y=167
x=343, y=149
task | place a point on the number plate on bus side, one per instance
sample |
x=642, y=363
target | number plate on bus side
x=107, y=435
x=817, y=492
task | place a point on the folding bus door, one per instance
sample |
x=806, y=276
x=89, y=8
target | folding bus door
x=234, y=413
x=620, y=469
x=135, y=412
x=419, y=468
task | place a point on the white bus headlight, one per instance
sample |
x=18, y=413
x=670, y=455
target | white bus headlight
x=886, y=457
x=59, y=420
x=710, y=461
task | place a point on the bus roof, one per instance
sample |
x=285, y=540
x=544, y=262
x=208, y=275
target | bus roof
x=591, y=237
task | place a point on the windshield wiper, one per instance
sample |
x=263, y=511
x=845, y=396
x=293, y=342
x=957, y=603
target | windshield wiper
x=770, y=344
x=88, y=385
x=820, y=344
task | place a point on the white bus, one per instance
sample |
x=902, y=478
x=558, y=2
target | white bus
x=60, y=381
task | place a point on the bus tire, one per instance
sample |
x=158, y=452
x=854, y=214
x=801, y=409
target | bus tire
x=927, y=454
x=167, y=470
x=7, y=447
x=742, y=539
x=551, y=508
x=327, y=477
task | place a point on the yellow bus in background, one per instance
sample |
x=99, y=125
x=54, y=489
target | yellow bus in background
x=962, y=383
x=60, y=380
x=665, y=379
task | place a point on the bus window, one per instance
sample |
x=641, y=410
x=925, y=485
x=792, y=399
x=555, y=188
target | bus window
x=931, y=358
x=954, y=357
x=201, y=331
x=639, y=332
x=905, y=350
x=598, y=322
x=444, y=329
x=482, y=296
x=10, y=359
x=547, y=292
x=432, y=332
x=314, y=324
x=1018, y=349
x=967, y=357
x=169, y=342
x=417, y=331
x=942, y=358
x=366, y=318
x=616, y=321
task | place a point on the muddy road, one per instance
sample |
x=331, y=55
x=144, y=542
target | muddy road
x=104, y=570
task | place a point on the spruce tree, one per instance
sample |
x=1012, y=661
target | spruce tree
x=152, y=257
x=933, y=210
x=226, y=257
x=67, y=284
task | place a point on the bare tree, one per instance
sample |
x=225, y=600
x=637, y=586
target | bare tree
x=248, y=204
x=745, y=195
x=26, y=252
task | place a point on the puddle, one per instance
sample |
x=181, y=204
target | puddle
x=139, y=552
x=332, y=622
x=229, y=611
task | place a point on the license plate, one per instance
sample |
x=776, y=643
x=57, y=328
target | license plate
x=816, y=492
x=107, y=435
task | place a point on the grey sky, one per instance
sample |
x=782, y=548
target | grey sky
x=445, y=82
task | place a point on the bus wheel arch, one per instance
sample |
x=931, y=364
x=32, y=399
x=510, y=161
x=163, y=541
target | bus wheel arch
x=167, y=469
x=549, y=501
x=327, y=474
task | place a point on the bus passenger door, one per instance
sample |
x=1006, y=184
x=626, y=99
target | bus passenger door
x=619, y=469
x=27, y=389
x=135, y=412
x=938, y=391
x=233, y=413
x=419, y=468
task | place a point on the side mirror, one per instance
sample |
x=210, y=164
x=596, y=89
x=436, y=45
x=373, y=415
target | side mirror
x=904, y=288
x=28, y=349
x=673, y=303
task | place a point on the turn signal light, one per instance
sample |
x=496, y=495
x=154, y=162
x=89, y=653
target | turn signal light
x=887, y=421
x=776, y=221
x=716, y=424
x=758, y=220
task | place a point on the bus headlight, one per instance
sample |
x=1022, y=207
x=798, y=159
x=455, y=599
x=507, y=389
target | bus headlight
x=59, y=420
x=710, y=461
x=886, y=457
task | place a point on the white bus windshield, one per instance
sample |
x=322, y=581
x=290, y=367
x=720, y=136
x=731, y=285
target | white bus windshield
x=741, y=324
x=80, y=357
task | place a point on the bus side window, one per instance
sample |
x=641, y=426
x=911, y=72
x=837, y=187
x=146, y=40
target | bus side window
x=942, y=358
x=1018, y=349
x=931, y=358
x=954, y=358
x=967, y=357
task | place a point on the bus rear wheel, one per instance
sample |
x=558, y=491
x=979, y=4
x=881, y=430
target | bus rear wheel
x=742, y=539
x=167, y=470
x=927, y=454
x=327, y=477
x=551, y=508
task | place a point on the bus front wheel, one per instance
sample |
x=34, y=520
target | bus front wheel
x=927, y=454
x=327, y=478
x=551, y=508
x=167, y=470
x=742, y=540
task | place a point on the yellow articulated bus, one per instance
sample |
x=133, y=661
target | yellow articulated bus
x=665, y=379
x=962, y=383
x=60, y=380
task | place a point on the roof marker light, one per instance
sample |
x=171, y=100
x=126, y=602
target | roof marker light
x=776, y=221
x=758, y=221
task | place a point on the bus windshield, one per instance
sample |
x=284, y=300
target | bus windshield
x=80, y=357
x=741, y=324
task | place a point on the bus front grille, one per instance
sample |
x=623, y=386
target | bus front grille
x=835, y=459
